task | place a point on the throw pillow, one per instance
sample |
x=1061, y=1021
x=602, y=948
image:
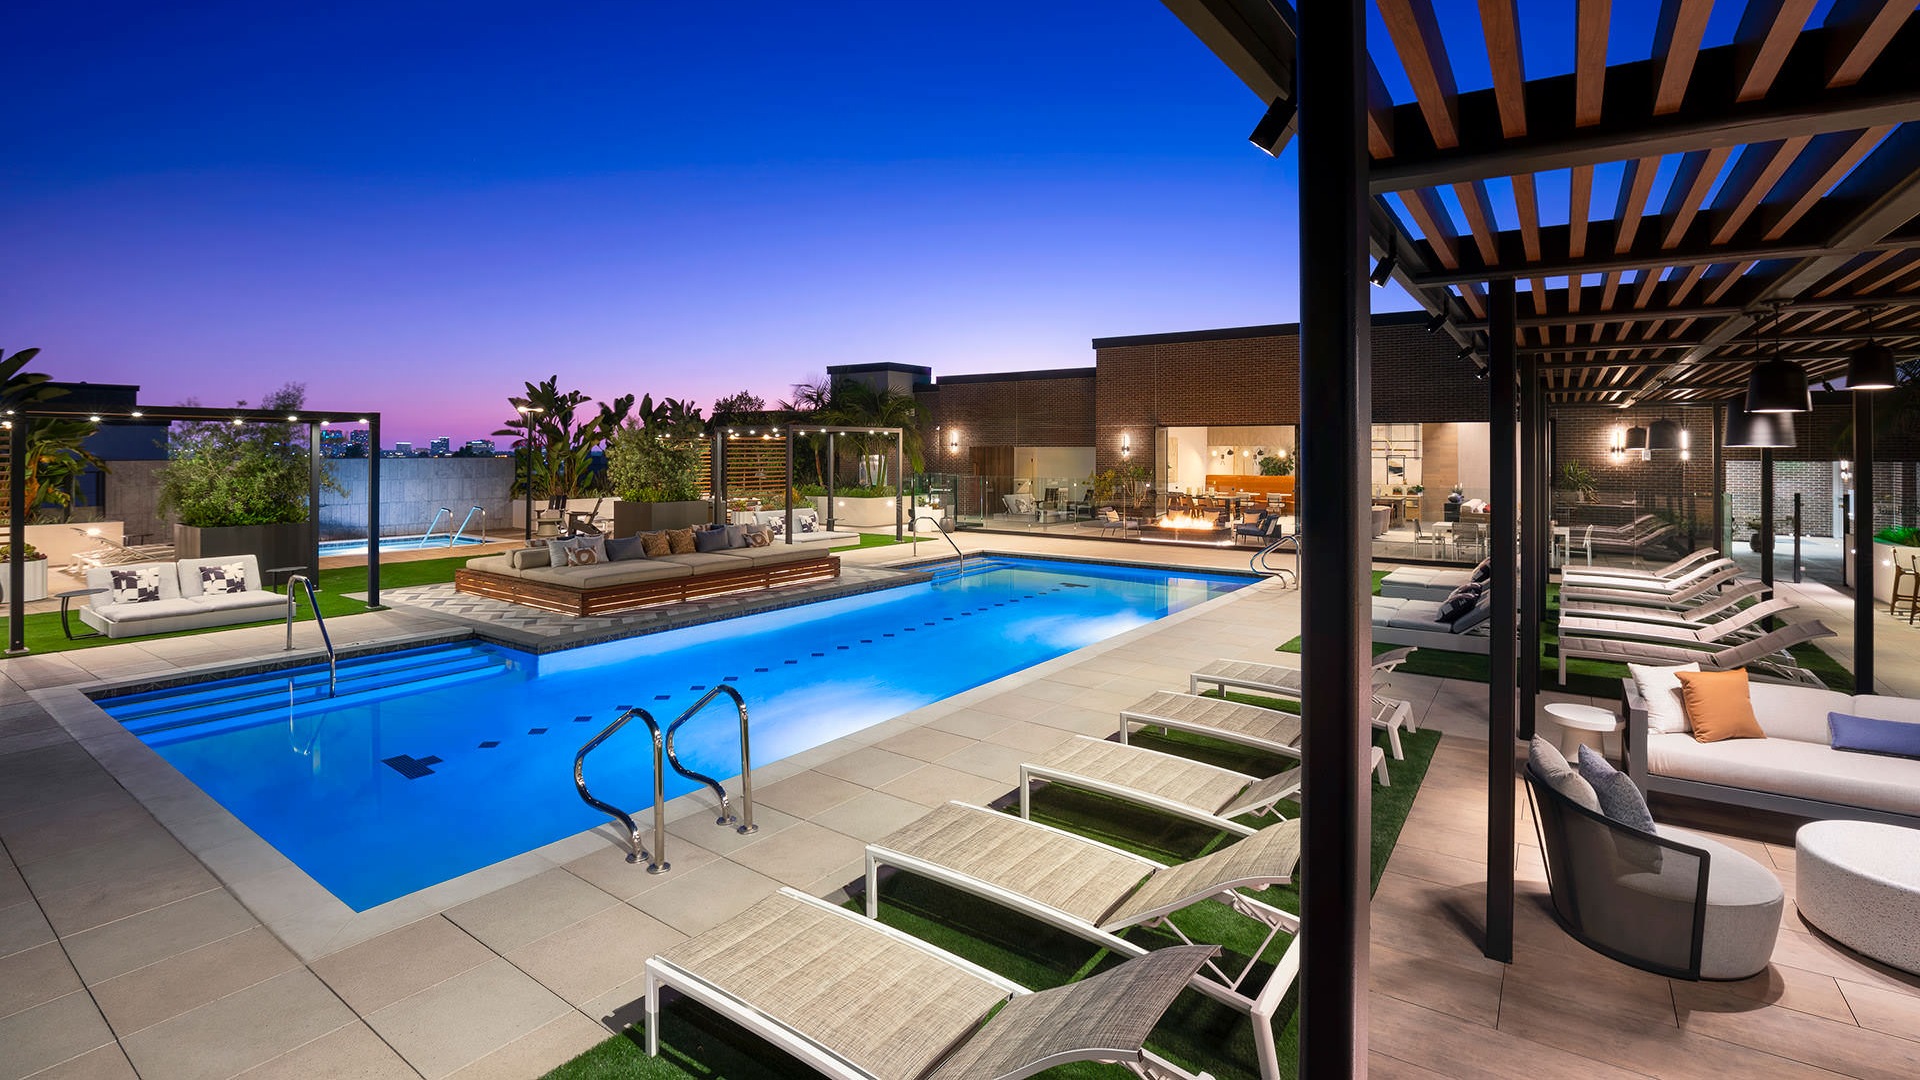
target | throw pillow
x=1483, y=572
x=680, y=541
x=808, y=523
x=655, y=544
x=137, y=586
x=1455, y=606
x=705, y=540
x=1551, y=767
x=758, y=536
x=1251, y=517
x=623, y=549
x=587, y=550
x=1719, y=705
x=736, y=536
x=776, y=526
x=1867, y=735
x=223, y=577
x=1622, y=803
x=1659, y=688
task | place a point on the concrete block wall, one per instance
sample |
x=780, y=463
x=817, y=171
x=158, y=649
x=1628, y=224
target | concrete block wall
x=412, y=489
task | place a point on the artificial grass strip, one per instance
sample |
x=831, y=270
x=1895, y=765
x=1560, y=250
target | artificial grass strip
x=1198, y=1032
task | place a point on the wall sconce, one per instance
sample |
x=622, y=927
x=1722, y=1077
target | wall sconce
x=1617, y=446
x=1126, y=446
x=953, y=440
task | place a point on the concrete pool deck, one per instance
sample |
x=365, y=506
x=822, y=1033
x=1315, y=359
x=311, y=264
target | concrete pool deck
x=124, y=953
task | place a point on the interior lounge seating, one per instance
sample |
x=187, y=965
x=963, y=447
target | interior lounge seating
x=855, y=1000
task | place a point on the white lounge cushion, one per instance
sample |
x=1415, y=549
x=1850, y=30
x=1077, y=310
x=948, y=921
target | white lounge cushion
x=101, y=577
x=151, y=609
x=1659, y=688
x=252, y=598
x=1879, y=707
x=1796, y=712
x=1744, y=901
x=1786, y=766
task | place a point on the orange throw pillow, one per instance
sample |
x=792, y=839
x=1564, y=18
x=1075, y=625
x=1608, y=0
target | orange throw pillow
x=1719, y=705
x=654, y=544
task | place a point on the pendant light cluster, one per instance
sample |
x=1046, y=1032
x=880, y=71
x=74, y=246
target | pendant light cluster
x=1872, y=367
x=1777, y=389
x=1778, y=385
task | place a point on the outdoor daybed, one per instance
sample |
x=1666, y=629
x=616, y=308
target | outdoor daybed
x=625, y=580
x=1428, y=583
x=1455, y=624
x=192, y=594
x=1793, y=770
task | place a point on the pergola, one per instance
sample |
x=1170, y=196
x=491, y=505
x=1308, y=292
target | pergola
x=1787, y=168
x=315, y=420
x=902, y=500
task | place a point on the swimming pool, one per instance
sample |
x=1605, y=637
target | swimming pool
x=434, y=762
x=393, y=543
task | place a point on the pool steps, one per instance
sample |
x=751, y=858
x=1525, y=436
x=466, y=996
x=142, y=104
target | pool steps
x=264, y=697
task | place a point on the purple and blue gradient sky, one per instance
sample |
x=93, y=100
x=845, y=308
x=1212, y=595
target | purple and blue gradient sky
x=416, y=207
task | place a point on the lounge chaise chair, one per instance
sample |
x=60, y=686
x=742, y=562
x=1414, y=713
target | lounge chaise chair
x=112, y=552
x=1095, y=891
x=1764, y=655
x=1229, y=721
x=1169, y=783
x=1419, y=623
x=1677, y=599
x=1676, y=569
x=1274, y=679
x=856, y=1000
x=1705, y=609
x=1741, y=625
x=1698, y=572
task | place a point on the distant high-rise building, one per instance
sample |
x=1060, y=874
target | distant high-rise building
x=333, y=442
x=440, y=447
x=481, y=447
x=360, y=438
x=403, y=449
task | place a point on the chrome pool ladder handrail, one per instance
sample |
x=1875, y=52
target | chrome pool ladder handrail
x=745, y=820
x=657, y=860
x=455, y=537
x=326, y=639
x=1258, y=564
x=941, y=524
x=430, y=527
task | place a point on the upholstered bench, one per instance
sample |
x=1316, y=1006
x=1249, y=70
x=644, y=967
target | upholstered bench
x=1859, y=883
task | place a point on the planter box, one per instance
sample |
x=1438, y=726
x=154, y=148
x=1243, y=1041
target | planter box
x=851, y=513
x=292, y=544
x=639, y=517
x=36, y=582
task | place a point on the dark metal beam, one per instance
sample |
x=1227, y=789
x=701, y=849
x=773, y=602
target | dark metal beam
x=1798, y=104
x=1335, y=374
x=1863, y=553
x=1502, y=673
x=17, y=513
x=373, y=511
x=1536, y=537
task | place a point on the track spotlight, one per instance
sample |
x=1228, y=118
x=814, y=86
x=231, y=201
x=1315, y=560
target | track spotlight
x=1466, y=353
x=1275, y=129
x=1438, y=320
x=1383, y=270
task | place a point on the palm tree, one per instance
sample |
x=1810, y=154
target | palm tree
x=811, y=397
x=554, y=446
x=856, y=404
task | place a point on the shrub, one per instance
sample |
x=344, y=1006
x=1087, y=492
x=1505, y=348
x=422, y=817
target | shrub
x=220, y=474
x=28, y=553
x=646, y=466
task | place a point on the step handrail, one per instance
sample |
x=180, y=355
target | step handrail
x=941, y=525
x=1258, y=564
x=657, y=860
x=745, y=820
x=320, y=620
x=455, y=537
x=431, y=525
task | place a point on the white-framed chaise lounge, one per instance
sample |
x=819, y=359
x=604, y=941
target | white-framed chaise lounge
x=1765, y=655
x=1601, y=579
x=1704, y=610
x=1095, y=891
x=1230, y=721
x=1739, y=626
x=1670, y=572
x=1645, y=594
x=856, y=1000
x=1276, y=679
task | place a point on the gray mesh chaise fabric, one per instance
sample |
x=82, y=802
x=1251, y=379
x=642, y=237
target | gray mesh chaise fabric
x=1264, y=728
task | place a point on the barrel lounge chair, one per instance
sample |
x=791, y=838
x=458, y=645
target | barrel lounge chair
x=1765, y=655
x=855, y=1000
x=1098, y=892
x=1229, y=721
x=1275, y=679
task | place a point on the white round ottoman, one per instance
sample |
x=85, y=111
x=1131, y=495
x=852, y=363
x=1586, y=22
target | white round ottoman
x=1859, y=883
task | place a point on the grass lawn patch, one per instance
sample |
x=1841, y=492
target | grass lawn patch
x=1198, y=1032
x=868, y=540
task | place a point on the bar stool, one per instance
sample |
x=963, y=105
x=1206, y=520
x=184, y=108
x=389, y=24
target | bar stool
x=1906, y=588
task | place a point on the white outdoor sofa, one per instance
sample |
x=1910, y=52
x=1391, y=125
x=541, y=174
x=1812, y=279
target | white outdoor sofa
x=182, y=603
x=1793, y=770
x=819, y=534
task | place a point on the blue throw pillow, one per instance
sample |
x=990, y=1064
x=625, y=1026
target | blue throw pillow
x=627, y=547
x=1866, y=735
x=1621, y=802
x=710, y=539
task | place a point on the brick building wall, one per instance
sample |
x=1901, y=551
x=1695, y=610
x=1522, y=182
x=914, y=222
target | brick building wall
x=1662, y=484
x=1025, y=408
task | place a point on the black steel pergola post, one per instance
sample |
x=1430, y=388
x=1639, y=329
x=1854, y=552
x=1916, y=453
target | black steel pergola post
x=1863, y=542
x=832, y=443
x=1536, y=539
x=1502, y=680
x=373, y=511
x=717, y=479
x=793, y=491
x=1766, y=519
x=17, y=510
x=900, y=496
x=1718, y=427
x=313, y=502
x=1335, y=436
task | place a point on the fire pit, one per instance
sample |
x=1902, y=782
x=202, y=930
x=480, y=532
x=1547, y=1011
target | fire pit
x=1184, y=528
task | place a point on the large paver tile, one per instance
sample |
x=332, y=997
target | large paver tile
x=926, y=744
x=46, y=1035
x=539, y=1051
x=107, y=1062
x=870, y=766
x=163, y=990
x=595, y=954
x=135, y=942
x=807, y=794
x=933, y=785
x=399, y=963
x=352, y=1052
x=22, y=927
x=870, y=816
x=240, y=1030
x=457, y=1022
x=526, y=911
x=84, y=907
x=805, y=852
x=1000, y=763
x=705, y=897
x=35, y=977
x=607, y=868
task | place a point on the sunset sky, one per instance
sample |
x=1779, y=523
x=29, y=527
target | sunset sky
x=417, y=207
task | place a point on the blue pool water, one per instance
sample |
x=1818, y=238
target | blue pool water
x=392, y=543
x=487, y=733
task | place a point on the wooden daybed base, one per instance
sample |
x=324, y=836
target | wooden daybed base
x=599, y=601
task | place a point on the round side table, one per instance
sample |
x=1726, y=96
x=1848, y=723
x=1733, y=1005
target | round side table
x=1575, y=719
x=67, y=598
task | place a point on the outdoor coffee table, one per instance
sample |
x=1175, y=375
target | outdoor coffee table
x=1574, y=719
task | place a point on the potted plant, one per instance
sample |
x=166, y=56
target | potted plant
x=238, y=489
x=34, y=586
x=654, y=467
x=1758, y=541
x=1577, y=480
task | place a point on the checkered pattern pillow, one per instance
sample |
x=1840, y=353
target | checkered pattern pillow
x=223, y=578
x=808, y=524
x=136, y=586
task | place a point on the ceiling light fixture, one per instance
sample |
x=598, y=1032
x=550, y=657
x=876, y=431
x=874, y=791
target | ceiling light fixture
x=1757, y=431
x=1383, y=270
x=1778, y=385
x=1872, y=367
x=1276, y=129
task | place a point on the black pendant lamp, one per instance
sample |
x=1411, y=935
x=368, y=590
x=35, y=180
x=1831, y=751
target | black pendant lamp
x=1871, y=367
x=1663, y=435
x=1778, y=385
x=1757, y=431
x=1636, y=438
